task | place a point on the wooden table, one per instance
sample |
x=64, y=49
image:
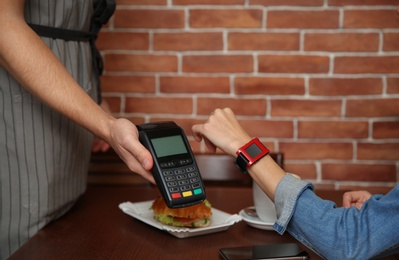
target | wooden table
x=96, y=228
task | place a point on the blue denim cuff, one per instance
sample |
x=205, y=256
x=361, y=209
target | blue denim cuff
x=285, y=197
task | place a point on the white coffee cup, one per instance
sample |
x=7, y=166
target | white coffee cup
x=263, y=205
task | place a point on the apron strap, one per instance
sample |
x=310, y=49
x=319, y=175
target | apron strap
x=103, y=10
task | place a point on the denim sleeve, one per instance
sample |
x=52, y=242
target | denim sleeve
x=336, y=232
x=285, y=198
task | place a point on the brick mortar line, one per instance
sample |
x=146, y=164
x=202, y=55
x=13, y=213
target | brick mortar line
x=259, y=7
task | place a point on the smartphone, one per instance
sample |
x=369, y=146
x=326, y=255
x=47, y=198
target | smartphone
x=273, y=251
x=175, y=170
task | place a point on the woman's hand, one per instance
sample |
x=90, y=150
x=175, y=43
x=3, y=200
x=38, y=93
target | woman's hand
x=222, y=130
x=355, y=198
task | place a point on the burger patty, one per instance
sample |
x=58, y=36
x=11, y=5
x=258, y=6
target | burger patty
x=182, y=222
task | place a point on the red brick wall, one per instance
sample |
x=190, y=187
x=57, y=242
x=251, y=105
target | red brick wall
x=315, y=79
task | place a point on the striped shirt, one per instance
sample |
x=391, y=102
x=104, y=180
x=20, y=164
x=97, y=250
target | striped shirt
x=43, y=155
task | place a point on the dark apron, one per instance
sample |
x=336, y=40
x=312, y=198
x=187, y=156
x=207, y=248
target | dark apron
x=103, y=10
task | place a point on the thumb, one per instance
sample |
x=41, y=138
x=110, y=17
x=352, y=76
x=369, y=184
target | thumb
x=143, y=156
x=347, y=200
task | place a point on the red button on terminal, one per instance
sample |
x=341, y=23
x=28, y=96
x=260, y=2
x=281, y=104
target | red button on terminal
x=176, y=195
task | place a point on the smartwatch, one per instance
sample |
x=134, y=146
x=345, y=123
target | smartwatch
x=250, y=153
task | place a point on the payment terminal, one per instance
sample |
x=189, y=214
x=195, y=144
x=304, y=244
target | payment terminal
x=175, y=169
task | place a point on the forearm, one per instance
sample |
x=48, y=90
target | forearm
x=267, y=174
x=222, y=130
x=337, y=232
x=34, y=66
x=28, y=59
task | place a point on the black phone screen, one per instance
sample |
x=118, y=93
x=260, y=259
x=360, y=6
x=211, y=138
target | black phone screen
x=274, y=251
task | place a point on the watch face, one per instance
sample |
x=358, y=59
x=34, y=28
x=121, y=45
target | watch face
x=253, y=150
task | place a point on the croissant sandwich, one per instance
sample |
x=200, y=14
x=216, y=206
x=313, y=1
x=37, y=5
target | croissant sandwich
x=192, y=216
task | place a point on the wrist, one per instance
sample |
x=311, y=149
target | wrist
x=237, y=144
x=105, y=127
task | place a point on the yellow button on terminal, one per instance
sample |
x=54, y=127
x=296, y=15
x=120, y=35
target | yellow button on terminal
x=187, y=193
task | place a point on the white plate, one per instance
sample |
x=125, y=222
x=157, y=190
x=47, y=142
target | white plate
x=256, y=222
x=220, y=220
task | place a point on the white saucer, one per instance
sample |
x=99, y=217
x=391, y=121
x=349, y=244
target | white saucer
x=255, y=221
